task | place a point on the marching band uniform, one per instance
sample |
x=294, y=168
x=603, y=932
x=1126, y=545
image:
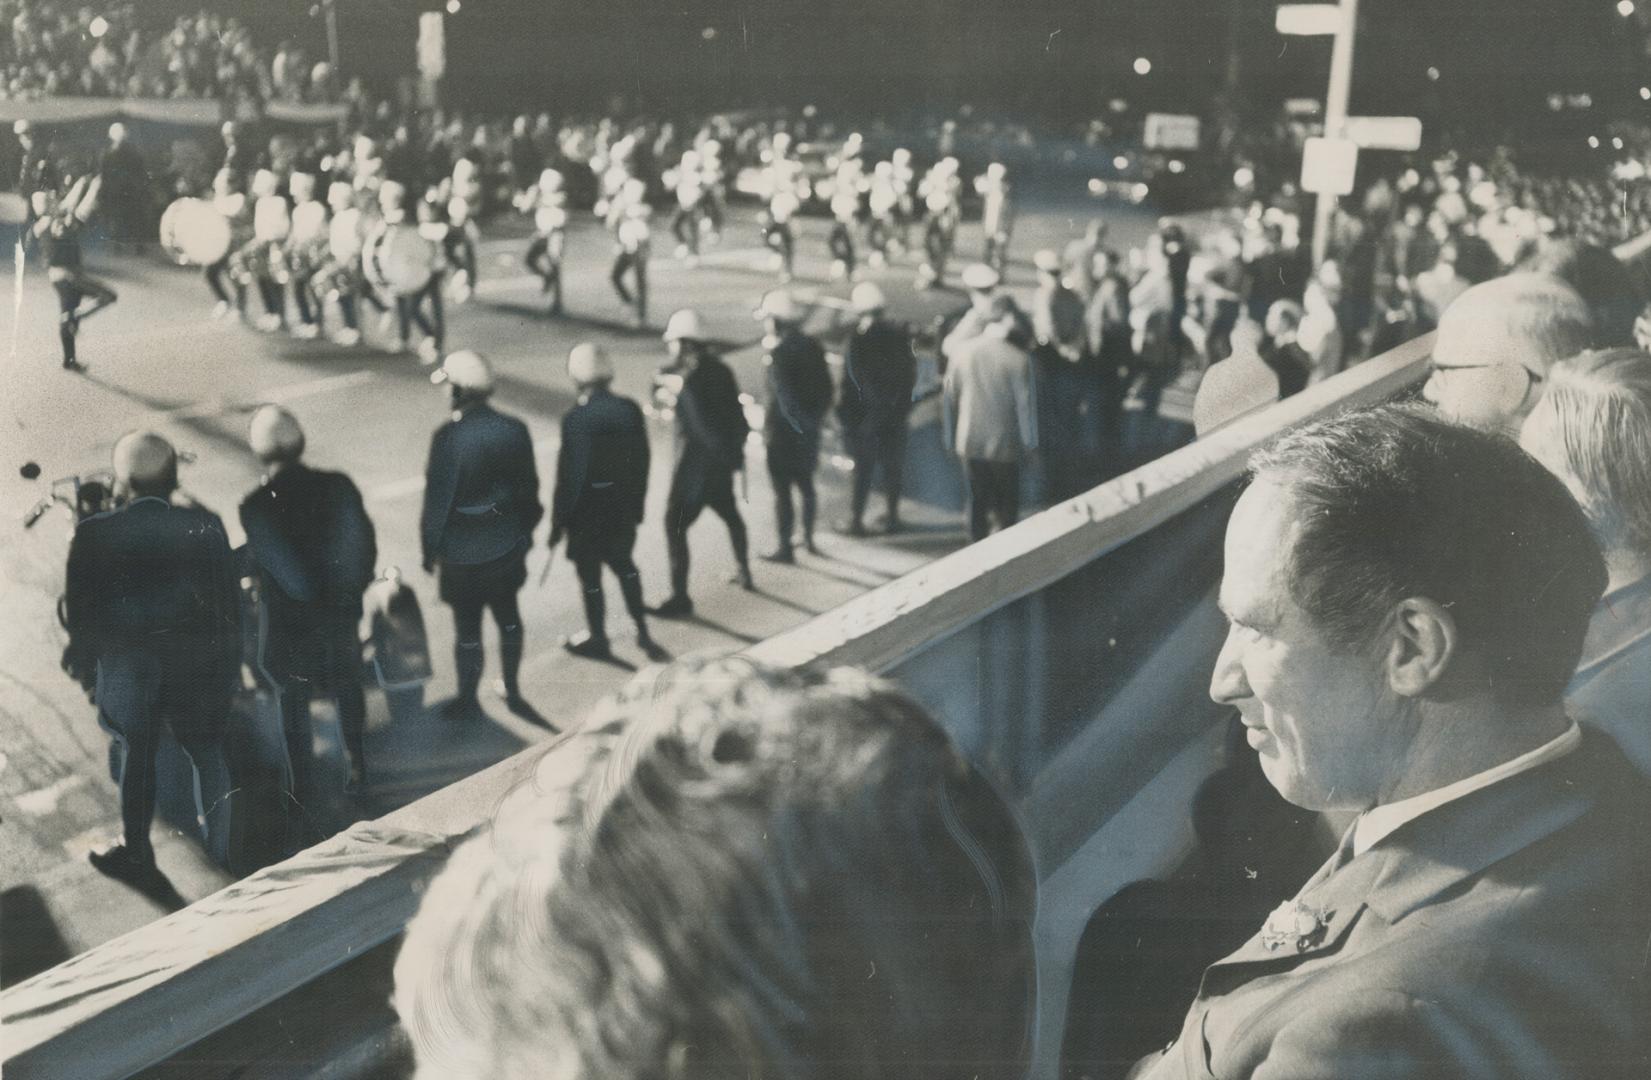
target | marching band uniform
x=883, y=206
x=550, y=218
x=997, y=215
x=631, y=253
x=845, y=208
x=463, y=234
x=340, y=276
x=56, y=231
x=940, y=189
x=306, y=252
x=231, y=202
x=783, y=174
x=258, y=261
x=688, y=183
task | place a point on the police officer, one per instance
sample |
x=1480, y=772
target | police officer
x=481, y=503
x=710, y=449
x=313, y=547
x=601, y=485
x=152, y=607
x=57, y=227
x=879, y=374
x=799, y=396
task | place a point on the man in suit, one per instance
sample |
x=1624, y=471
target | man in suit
x=152, y=606
x=1407, y=600
x=879, y=374
x=989, y=408
x=601, y=486
x=710, y=448
x=799, y=396
x=314, y=550
x=481, y=503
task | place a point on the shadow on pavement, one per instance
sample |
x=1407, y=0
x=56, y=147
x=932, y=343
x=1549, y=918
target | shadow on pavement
x=29, y=938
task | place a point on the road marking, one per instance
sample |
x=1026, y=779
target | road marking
x=543, y=447
x=279, y=395
x=43, y=801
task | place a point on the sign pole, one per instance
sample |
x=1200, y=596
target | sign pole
x=1335, y=118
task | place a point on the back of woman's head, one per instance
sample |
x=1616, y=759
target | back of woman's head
x=733, y=870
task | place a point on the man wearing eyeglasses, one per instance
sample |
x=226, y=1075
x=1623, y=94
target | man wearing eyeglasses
x=1496, y=343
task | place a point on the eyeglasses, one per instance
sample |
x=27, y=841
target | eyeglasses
x=1435, y=368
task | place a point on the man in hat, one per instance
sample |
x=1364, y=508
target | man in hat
x=989, y=407
x=710, y=448
x=481, y=503
x=601, y=487
x=314, y=550
x=799, y=396
x=963, y=326
x=879, y=374
x=151, y=602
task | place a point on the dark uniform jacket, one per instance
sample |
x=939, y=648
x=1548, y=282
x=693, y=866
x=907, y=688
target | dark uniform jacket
x=879, y=373
x=602, y=469
x=710, y=421
x=481, y=489
x=799, y=396
x=1499, y=935
x=156, y=578
x=310, y=539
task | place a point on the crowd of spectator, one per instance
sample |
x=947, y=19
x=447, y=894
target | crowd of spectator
x=60, y=50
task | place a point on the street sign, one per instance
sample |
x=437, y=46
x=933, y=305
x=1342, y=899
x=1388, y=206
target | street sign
x=1308, y=20
x=1328, y=165
x=1170, y=131
x=1384, y=132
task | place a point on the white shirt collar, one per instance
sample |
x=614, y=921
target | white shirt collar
x=1378, y=822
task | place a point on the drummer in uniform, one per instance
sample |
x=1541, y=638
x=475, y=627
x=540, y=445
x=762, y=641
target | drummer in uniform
x=259, y=262
x=481, y=503
x=399, y=258
x=340, y=276
x=550, y=219
x=882, y=205
x=845, y=210
x=230, y=201
x=306, y=252
x=601, y=486
x=462, y=232
x=56, y=230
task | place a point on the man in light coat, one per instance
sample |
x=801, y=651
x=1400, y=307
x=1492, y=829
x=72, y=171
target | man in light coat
x=990, y=412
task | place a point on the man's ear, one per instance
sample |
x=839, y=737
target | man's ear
x=1423, y=644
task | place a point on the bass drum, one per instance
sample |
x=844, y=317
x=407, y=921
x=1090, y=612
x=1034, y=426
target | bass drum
x=194, y=233
x=396, y=259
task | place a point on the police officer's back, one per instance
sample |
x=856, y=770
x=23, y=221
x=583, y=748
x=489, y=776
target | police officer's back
x=152, y=607
x=314, y=549
x=481, y=503
x=601, y=487
x=799, y=396
x=879, y=375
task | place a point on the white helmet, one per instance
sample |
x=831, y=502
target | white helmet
x=779, y=305
x=588, y=364
x=685, y=325
x=275, y=434
x=866, y=298
x=466, y=370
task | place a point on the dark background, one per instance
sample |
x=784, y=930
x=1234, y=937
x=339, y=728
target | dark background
x=1498, y=60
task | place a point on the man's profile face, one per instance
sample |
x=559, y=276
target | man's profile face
x=1329, y=735
x=1492, y=397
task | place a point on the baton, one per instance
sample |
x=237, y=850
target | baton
x=544, y=575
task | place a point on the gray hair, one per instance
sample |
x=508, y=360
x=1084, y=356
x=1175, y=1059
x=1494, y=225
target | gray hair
x=733, y=870
x=1593, y=428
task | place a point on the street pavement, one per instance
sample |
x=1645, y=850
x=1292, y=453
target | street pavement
x=157, y=361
